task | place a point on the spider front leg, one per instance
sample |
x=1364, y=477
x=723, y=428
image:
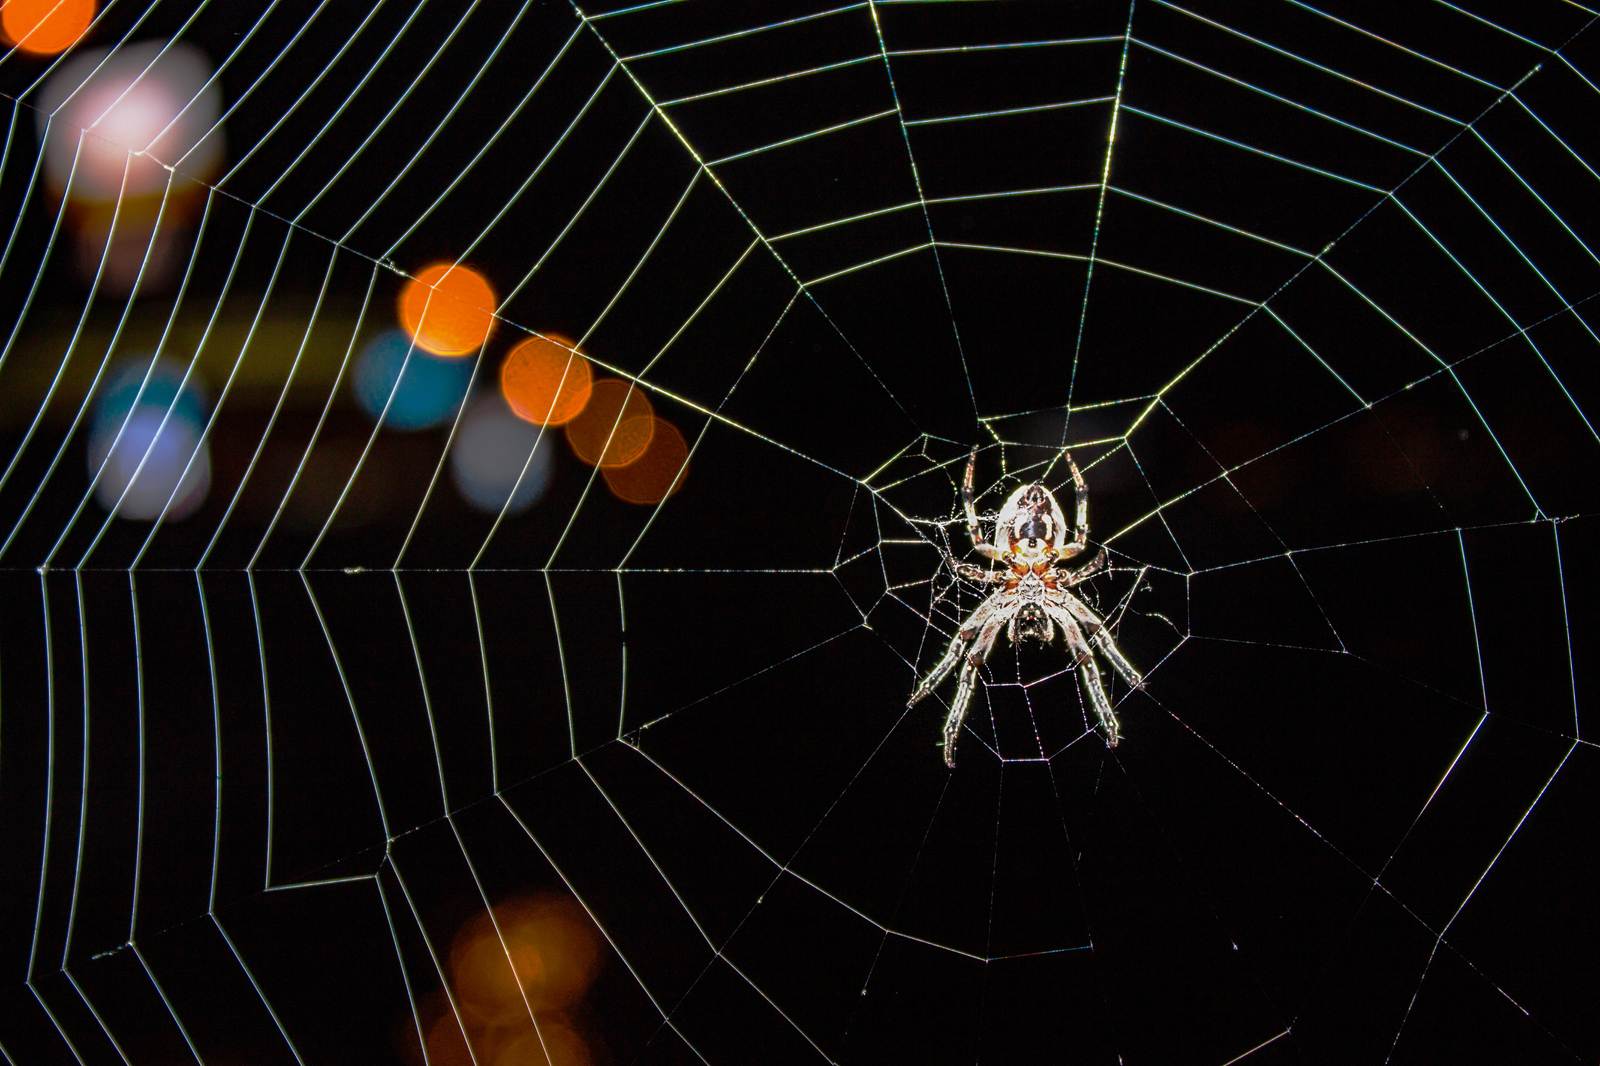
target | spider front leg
x=958, y=644
x=966, y=686
x=972, y=642
x=1100, y=637
x=1088, y=675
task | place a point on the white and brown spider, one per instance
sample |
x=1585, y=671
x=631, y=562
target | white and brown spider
x=1032, y=595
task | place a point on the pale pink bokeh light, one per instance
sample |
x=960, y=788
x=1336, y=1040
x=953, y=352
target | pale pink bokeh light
x=145, y=113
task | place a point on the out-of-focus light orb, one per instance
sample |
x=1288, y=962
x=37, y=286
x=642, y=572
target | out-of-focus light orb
x=420, y=389
x=448, y=309
x=446, y=1045
x=45, y=27
x=657, y=473
x=552, y=1044
x=141, y=108
x=113, y=121
x=550, y=941
x=546, y=380
x=147, y=433
x=615, y=427
x=517, y=977
x=491, y=450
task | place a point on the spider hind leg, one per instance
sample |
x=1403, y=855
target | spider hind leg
x=969, y=503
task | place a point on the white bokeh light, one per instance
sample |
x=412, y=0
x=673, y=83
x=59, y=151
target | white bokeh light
x=492, y=447
x=129, y=139
x=154, y=100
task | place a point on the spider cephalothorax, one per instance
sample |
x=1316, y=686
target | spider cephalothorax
x=1032, y=599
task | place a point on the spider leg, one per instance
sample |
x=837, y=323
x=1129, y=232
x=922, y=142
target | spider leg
x=1089, y=675
x=1080, y=539
x=969, y=572
x=1100, y=637
x=969, y=503
x=1089, y=569
x=966, y=686
x=952, y=655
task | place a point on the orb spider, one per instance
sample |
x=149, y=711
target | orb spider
x=1032, y=599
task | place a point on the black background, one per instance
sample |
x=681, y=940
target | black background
x=1354, y=559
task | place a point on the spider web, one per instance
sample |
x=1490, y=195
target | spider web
x=1307, y=291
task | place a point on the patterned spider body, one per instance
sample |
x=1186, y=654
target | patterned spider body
x=1032, y=599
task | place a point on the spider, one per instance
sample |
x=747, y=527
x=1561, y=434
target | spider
x=1032, y=595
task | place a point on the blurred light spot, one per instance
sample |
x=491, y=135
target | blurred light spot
x=545, y=380
x=657, y=473
x=491, y=450
x=45, y=27
x=552, y=944
x=112, y=123
x=139, y=110
x=615, y=427
x=446, y=1046
x=552, y=1043
x=425, y=393
x=149, y=442
x=448, y=309
x=518, y=977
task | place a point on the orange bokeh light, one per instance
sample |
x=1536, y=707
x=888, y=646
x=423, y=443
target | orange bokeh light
x=615, y=427
x=45, y=27
x=552, y=1044
x=657, y=473
x=517, y=979
x=446, y=1046
x=448, y=310
x=553, y=949
x=546, y=381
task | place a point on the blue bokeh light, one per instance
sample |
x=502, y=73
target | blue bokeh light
x=146, y=442
x=425, y=395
